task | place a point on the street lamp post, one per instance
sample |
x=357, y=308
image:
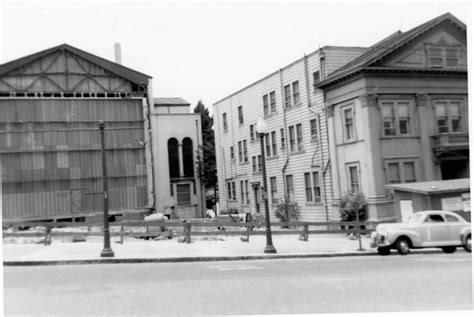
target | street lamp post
x=107, y=251
x=261, y=128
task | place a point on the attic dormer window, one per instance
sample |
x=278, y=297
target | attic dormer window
x=442, y=57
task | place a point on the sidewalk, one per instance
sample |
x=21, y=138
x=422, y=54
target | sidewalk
x=211, y=248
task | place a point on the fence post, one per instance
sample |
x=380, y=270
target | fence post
x=47, y=235
x=305, y=232
x=187, y=231
x=121, y=234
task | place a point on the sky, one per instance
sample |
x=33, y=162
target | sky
x=208, y=50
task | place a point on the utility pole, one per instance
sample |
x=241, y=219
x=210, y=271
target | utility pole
x=107, y=251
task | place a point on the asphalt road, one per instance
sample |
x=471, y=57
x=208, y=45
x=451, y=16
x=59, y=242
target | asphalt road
x=434, y=282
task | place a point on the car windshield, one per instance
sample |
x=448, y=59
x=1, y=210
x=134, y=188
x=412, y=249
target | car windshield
x=415, y=218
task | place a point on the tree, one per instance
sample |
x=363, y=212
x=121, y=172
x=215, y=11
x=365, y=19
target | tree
x=352, y=207
x=206, y=154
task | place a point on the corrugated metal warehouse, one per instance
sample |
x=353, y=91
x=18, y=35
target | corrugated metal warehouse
x=50, y=153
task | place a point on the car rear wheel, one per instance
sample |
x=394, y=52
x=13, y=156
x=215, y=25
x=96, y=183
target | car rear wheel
x=403, y=246
x=467, y=244
x=449, y=249
x=383, y=250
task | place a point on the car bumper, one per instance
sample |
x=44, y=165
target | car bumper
x=374, y=243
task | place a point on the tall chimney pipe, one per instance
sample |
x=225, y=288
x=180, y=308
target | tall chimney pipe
x=118, y=53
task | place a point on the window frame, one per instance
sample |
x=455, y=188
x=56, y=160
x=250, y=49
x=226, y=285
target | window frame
x=290, y=190
x=224, y=122
x=350, y=183
x=448, y=117
x=273, y=190
x=396, y=118
x=401, y=169
x=349, y=135
x=240, y=113
x=443, y=56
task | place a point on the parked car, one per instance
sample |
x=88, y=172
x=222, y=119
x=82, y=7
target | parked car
x=424, y=229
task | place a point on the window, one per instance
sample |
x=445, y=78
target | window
x=282, y=138
x=434, y=218
x=450, y=218
x=448, y=116
x=183, y=194
x=274, y=143
x=242, y=193
x=307, y=186
x=312, y=187
x=266, y=109
x=173, y=158
x=316, y=187
x=396, y=117
x=188, y=160
x=231, y=193
x=290, y=192
x=287, y=92
x=296, y=93
x=316, y=77
x=269, y=103
x=257, y=163
x=353, y=179
x=224, y=121
x=246, y=158
x=313, y=129
x=232, y=153
x=394, y=173
x=247, y=200
x=241, y=115
x=252, y=133
x=268, y=145
x=348, y=124
x=239, y=145
x=299, y=137
x=401, y=172
x=291, y=132
x=439, y=56
x=272, y=102
x=292, y=93
x=273, y=190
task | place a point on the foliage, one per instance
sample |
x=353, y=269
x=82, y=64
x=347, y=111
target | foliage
x=350, y=204
x=230, y=211
x=205, y=154
x=287, y=210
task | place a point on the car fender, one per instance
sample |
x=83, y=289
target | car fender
x=414, y=236
x=464, y=233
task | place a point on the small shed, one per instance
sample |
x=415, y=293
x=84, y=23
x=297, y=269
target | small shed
x=450, y=195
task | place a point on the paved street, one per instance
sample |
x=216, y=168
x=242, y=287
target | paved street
x=292, y=286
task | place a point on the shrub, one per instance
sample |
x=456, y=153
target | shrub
x=287, y=210
x=350, y=204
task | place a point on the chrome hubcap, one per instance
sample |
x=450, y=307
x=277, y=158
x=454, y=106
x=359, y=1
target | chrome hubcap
x=404, y=246
x=468, y=243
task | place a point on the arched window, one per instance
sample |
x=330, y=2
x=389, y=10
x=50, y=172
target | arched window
x=173, y=158
x=188, y=157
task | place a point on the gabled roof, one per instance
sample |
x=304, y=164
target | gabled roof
x=114, y=68
x=170, y=101
x=386, y=47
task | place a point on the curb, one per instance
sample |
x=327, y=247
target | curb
x=203, y=259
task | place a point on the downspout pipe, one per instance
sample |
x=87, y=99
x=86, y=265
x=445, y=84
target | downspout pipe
x=287, y=161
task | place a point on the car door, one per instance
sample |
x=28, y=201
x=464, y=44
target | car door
x=455, y=226
x=435, y=231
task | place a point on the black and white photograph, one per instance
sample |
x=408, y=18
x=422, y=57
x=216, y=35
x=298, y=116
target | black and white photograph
x=235, y=158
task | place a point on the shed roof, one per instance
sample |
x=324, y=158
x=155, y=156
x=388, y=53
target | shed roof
x=434, y=187
x=113, y=67
x=170, y=101
x=386, y=47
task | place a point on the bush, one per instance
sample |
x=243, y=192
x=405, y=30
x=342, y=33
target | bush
x=287, y=210
x=350, y=204
x=230, y=211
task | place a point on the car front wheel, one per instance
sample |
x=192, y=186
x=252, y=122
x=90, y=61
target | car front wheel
x=383, y=250
x=403, y=246
x=467, y=244
x=449, y=249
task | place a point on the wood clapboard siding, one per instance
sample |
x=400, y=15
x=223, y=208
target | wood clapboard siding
x=314, y=157
x=51, y=159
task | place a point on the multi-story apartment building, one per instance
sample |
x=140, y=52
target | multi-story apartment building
x=399, y=114
x=296, y=148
